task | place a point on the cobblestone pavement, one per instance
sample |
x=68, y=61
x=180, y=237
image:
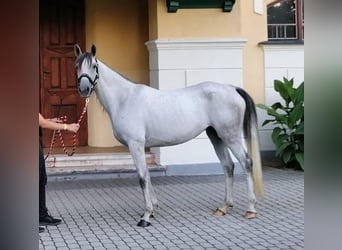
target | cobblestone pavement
x=102, y=213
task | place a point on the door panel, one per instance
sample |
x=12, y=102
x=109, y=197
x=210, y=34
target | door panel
x=61, y=26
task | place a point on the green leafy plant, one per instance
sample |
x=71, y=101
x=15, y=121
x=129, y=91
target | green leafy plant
x=288, y=117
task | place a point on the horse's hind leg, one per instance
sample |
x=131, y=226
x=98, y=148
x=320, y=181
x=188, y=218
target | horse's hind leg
x=228, y=168
x=153, y=195
x=246, y=163
x=138, y=154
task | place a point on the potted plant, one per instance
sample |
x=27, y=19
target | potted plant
x=288, y=118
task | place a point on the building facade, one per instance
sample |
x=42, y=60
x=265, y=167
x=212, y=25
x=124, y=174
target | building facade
x=161, y=44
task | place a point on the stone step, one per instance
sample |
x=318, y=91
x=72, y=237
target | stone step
x=96, y=163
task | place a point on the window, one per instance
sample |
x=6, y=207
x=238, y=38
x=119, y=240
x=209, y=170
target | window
x=285, y=20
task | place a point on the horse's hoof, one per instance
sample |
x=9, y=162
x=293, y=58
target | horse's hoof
x=249, y=215
x=143, y=223
x=151, y=216
x=219, y=212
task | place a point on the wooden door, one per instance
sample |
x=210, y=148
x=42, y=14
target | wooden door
x=61, y=26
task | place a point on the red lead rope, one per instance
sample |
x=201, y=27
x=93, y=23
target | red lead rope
x=64, y=119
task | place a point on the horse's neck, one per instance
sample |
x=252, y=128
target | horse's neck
x=112, y=88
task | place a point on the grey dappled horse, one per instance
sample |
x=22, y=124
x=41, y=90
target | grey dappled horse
x=142, y=116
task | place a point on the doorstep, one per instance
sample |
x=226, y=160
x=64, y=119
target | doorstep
x=89, y=163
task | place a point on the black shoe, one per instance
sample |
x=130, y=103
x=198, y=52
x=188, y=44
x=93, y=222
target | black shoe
x=48, y=220
x=41, y=229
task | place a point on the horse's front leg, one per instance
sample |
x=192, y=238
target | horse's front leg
x=138, y=155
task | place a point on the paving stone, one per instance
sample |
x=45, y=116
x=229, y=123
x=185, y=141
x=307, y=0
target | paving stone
x=50, y=248
x=103, y=213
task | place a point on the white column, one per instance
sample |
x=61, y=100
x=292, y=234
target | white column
x=280, y=61
x=178, y=63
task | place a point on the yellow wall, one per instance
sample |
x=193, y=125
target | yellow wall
x=192, y=23
x=241, y=22
x=119, y=29
x=254, y=29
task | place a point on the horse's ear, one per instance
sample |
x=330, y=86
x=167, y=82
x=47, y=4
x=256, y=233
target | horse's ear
x=77, y=50
x=93, y=50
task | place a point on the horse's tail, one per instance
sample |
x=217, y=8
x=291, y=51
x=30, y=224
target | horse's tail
x=250, y=127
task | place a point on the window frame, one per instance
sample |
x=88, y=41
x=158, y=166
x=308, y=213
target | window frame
x=299, y=22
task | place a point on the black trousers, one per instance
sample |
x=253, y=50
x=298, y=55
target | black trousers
x=42, y=183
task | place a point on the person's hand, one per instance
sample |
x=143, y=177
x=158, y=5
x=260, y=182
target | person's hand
x=73, y=127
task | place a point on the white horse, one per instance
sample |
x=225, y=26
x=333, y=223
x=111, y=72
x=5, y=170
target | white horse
x=142, y=116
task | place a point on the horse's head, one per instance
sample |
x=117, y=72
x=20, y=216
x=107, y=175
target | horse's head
x=87, y=70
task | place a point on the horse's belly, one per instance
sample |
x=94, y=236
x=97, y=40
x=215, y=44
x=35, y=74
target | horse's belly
x=173, y=133
x=168, y=140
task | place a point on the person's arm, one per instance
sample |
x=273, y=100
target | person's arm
x=55, y=120
x=49, y=124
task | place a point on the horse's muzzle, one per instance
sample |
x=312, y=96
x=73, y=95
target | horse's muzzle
x=84, y=88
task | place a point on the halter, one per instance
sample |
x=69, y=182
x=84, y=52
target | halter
x=92, y=82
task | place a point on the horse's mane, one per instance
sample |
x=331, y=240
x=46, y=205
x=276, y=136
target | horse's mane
x=85, y=56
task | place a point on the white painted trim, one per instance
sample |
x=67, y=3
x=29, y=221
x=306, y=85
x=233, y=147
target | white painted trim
x=188, y=44
x=259, y=6
x=282, y=47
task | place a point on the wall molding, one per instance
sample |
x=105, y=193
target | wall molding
x=179, y=44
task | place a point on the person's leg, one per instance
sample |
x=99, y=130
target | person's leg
x=43, y=211
x=44, y=217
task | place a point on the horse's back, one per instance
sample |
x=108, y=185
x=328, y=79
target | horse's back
x=175, y=116
x=203, y=102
